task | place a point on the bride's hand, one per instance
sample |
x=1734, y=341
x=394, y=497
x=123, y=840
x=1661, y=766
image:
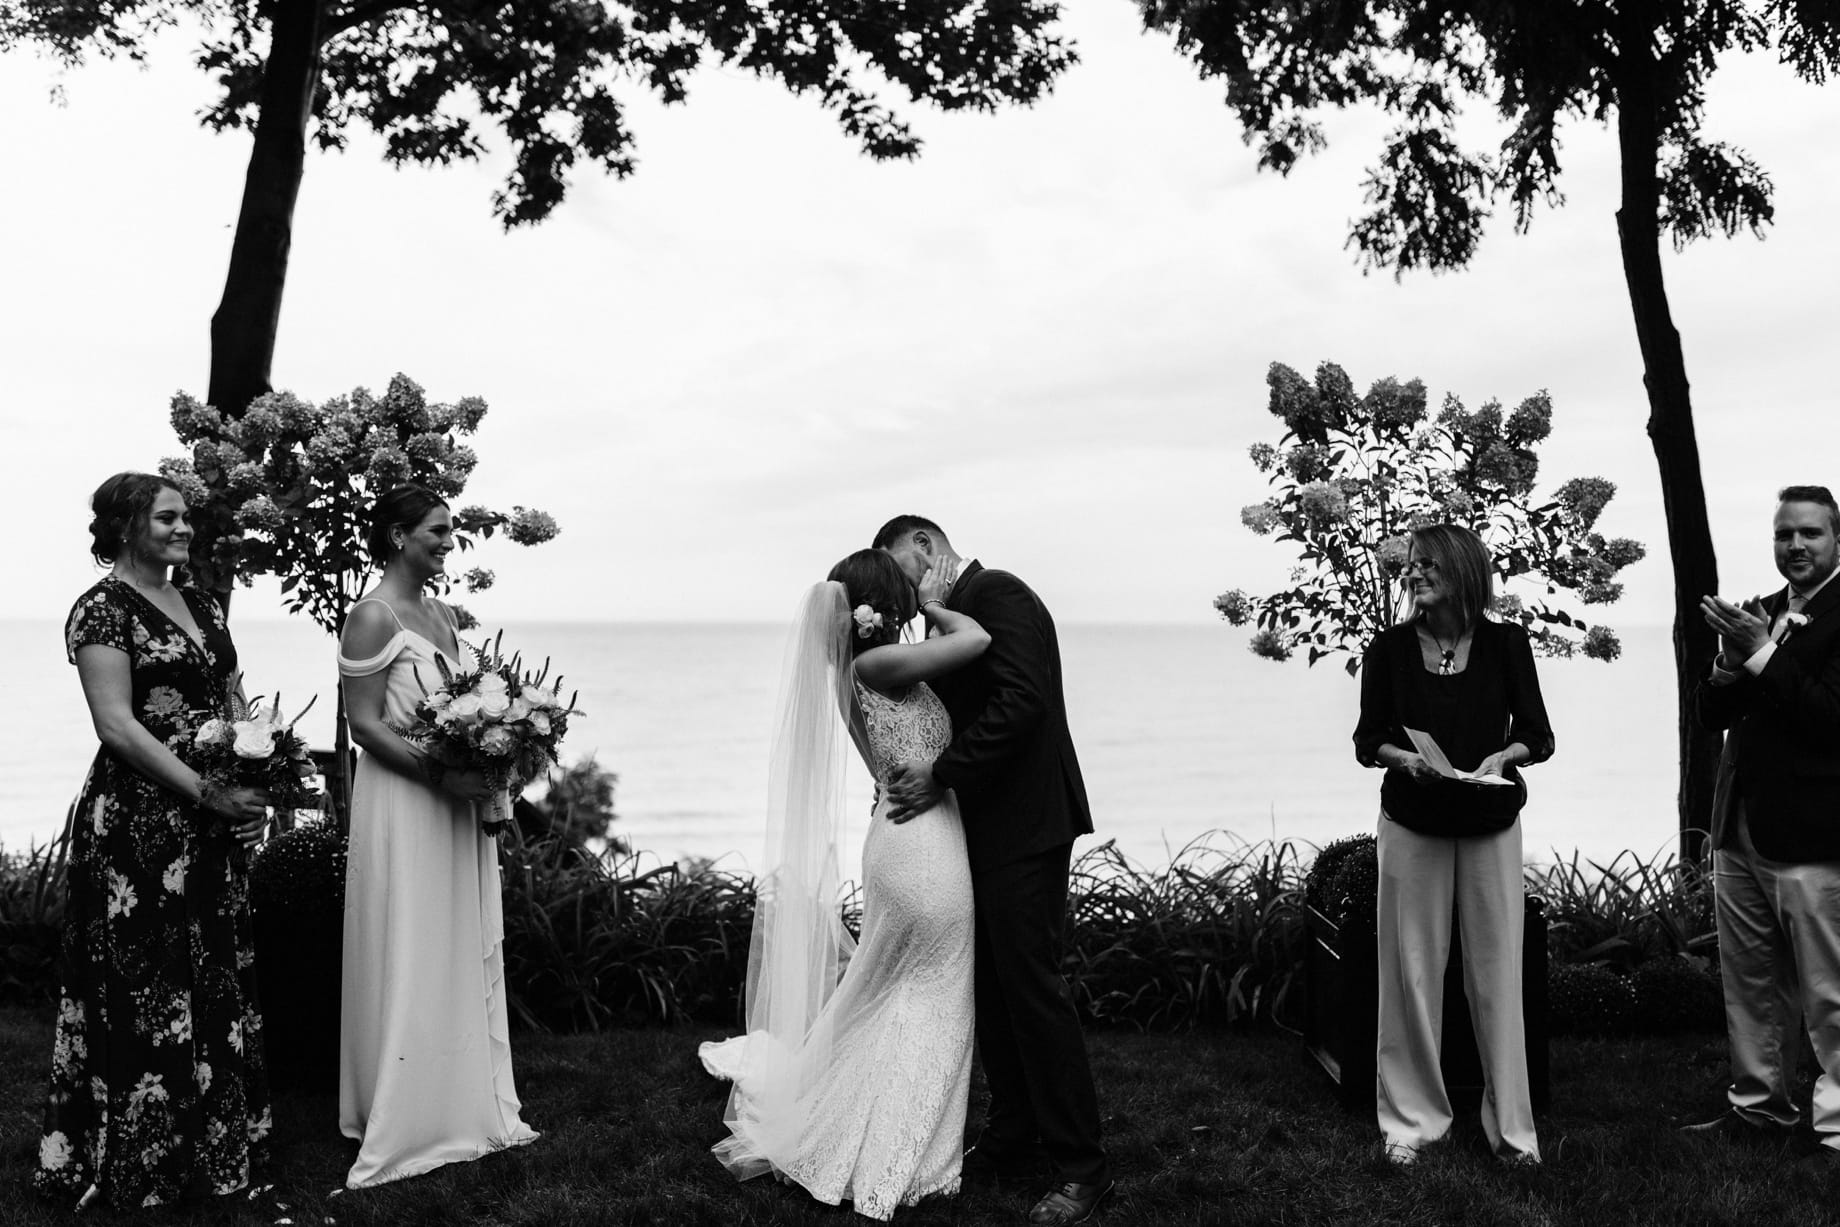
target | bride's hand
x=937, y=583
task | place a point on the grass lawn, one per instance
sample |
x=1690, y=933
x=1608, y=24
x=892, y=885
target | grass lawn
x=1203, y=1128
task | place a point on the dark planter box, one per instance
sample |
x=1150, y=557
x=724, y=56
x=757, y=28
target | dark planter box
x=1341, y=1008
x=298, y=962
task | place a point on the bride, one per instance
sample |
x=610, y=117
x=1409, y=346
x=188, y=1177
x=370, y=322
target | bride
x=854, y=1086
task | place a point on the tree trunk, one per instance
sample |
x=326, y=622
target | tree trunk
x=1670, y=430
x=243, y=329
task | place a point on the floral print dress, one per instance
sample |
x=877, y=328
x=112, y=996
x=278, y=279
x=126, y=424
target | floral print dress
x=158, y=1090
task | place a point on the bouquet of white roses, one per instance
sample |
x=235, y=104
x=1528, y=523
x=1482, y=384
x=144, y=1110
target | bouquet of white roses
x=255, y=748
x=494, y=719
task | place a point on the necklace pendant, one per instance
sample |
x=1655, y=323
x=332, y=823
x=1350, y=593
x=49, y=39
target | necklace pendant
x=1449, y=664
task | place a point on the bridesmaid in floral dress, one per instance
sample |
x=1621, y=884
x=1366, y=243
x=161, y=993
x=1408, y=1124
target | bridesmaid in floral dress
x=158, y=1092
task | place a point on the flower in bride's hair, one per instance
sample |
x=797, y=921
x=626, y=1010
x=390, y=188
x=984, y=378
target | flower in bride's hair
x=868, y=621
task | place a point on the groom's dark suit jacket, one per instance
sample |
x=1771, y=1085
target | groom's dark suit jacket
x=1011, y=760
x=1782, y=741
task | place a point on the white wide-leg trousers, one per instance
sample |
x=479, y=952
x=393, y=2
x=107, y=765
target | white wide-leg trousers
x=1421, y=878
x=1779, y=958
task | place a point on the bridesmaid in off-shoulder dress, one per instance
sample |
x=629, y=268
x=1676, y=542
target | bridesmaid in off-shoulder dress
x=424, y=1043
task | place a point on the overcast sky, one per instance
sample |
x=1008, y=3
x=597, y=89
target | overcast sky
x=1050, y=333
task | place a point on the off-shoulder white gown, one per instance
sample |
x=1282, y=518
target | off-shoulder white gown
x=424, y=1045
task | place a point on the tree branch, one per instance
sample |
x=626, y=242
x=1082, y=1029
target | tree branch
x=358, y=14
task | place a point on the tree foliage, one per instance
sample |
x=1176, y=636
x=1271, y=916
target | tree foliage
x=577, y=806
x=435, y=78
x=286, y=489
x=1354, y=474
x=1639, y=65
x=1535, y=63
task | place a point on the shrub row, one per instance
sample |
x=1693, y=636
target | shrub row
x=1216, y=937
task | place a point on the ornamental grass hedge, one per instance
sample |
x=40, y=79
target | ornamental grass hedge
x=596, y=939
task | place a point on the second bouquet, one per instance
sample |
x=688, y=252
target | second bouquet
x=495, y=719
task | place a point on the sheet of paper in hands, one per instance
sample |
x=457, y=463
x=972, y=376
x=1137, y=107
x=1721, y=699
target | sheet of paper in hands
x=1432, y=753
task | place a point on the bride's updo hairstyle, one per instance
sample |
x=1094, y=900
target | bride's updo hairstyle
x=119, y=509
x=874, y=578
x=404, y=508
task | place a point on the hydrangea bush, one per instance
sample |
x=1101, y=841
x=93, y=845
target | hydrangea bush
x=285, y=488
x=1353, y=475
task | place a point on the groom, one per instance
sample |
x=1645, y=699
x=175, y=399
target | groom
x=1011, y=764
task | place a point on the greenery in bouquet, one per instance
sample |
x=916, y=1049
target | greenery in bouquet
x=1353, y=475
x=495, y=719
x=253, y=747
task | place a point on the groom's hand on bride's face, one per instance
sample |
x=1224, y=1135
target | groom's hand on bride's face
x=912, y=790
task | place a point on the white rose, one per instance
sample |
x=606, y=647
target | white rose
x=465, y=707
x=519, y=709
x=498, y=741
x=254, y=740
x=491, y=683
x=54, y=1151
x=440, y=699
x=493, y=704
x=540, y=722
x=214, y=732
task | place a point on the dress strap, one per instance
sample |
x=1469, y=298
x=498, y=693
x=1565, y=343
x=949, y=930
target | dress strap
x=374, y=600
x=391, y=649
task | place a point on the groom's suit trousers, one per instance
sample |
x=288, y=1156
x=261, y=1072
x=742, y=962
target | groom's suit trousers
x=1028, y=1033
x=1779, y=958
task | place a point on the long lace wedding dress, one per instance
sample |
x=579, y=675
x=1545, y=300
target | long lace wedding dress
x=874, y=1109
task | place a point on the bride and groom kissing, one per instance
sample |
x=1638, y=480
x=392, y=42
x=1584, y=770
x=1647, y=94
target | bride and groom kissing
x=853, y=1077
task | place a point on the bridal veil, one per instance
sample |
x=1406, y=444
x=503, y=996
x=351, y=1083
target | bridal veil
x=799, y=945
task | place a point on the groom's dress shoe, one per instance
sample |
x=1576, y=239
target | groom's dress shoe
x=1730, y=1127
x=1070, y=1203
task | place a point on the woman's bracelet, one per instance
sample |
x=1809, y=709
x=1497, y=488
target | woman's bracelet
x=932, y=601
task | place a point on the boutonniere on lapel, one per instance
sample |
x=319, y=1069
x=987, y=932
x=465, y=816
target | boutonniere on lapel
x=1792, y=622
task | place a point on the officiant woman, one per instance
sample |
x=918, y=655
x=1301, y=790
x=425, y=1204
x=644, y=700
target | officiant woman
x=1448, y=670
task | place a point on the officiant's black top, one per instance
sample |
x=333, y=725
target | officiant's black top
x=1495, y=701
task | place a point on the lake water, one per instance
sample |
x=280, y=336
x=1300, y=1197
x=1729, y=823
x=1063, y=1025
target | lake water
x=1180, y=731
